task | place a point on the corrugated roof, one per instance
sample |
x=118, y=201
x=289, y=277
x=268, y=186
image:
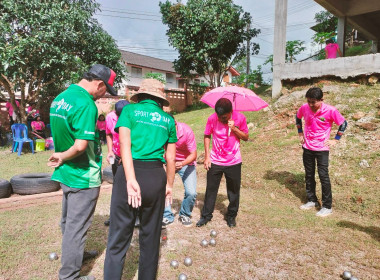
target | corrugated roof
x=147, y=61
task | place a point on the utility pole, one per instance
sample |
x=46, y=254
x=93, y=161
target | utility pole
x=248, y=56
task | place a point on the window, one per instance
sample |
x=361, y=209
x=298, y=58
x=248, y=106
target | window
x=170, y=78
x=136, y=72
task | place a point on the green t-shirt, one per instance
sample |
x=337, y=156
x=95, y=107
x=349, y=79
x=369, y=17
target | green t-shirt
x=151, y=128
x=73, y=115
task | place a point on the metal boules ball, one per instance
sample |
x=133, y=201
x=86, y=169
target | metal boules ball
x=174, y=264
x=354, y=278
x=212, y=242
x=53, y=256
x=346, y=275
x=204, y=243
x=213, y=233
x=187, y=261
x=182, y=277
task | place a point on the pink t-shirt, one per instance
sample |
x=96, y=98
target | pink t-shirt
x=332, y=49
x=101, y=125
x=111, y=120
x=318, y=125
x=186, y=142
x=9, y=107
x=38, y=125
x=225, y=149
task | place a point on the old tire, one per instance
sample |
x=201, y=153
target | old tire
x=5, y=188
x=34, y=183
x=107, y=175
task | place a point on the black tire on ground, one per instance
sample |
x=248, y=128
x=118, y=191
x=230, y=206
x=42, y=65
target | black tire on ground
x=5, y=188
x=33, y=183
x=107, y=175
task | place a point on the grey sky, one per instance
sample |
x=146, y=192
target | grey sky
x=137, y=26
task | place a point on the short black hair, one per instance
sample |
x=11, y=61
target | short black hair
x=101, y=115
x=223, y=106
x=314, y=93
x=329, y=41
x=90, y=77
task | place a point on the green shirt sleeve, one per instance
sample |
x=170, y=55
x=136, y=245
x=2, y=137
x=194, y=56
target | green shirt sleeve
x=172, y=133
x=82, y=127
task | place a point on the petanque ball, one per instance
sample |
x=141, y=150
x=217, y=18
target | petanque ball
x=53, y=256
x=212, y=242
x=188, y=261
x=182, y=277
x=213, y=233
x=204, y=243
x=354, y=278
x=174, y=264
x=346, y=275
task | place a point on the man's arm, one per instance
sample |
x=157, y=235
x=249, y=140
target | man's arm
x=133, y=187
x=109, y=147
x=189, y=159
x=240, y=134
x=57, y=159
x=170, y=171
x=206, y=141
x=300, y=131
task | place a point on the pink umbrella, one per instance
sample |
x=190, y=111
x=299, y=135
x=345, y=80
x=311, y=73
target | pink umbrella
x=242, y=99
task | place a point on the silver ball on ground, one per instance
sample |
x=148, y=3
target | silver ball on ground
x=204, y=243
x=182, y=277
x=53, y=256
x=346, y=275
x=212, y=242
x=174, y=264
x=187, y=261
x=213, y=233
x=353, y=278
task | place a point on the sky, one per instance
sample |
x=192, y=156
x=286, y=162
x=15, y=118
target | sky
x=137, y=27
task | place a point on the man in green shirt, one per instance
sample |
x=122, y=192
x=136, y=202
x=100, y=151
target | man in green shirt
x=77, y=161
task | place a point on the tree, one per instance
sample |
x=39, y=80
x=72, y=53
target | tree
x=293, y=48
x=254, y=76
x=48, y=42
x=157, y=76
x=209, y=36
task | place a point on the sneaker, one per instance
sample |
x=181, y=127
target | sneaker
x=87, y=277
x=166, y=222
x=90, y=254
x=324, y=212
x=309, y=205
x=186, y=221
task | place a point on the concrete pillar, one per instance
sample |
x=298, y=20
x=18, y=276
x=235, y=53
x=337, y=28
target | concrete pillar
x=279, y=44
x=342, y=21
x=375, y=46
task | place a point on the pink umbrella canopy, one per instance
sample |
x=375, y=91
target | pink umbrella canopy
x=242, y=99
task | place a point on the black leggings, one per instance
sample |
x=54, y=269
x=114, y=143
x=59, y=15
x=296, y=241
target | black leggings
x=151, y=177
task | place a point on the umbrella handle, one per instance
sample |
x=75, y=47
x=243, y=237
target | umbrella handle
x=229, y=131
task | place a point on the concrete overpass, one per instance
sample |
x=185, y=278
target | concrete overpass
x=363, y=15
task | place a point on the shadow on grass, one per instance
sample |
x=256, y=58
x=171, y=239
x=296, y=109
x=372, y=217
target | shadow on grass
x=219, y=203
x=371, y=230
x=293, y=182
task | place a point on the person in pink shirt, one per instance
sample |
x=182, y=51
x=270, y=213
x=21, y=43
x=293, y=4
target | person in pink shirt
x=331, y=49
x=38, y=126
x=11, y=112
x=101, y=125
x=185, y=162
x=315, y=139
x=112, y=137
x=227, y=128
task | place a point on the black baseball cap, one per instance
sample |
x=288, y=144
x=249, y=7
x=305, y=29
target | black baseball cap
x=105, y=74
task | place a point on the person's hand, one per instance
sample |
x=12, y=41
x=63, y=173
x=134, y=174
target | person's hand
x=178, y=165
x=168, y=195
x=231, y=124
x=207, y=163
x=331, y=143
x=302, y=138
x=55, y=160
x=134, y=194
x=110, y=155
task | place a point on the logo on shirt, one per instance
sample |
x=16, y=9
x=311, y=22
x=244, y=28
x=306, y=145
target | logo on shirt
x=322, y=119
x=61, y=104
x=156, y=117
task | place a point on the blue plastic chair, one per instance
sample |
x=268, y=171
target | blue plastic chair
x=20, y=135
